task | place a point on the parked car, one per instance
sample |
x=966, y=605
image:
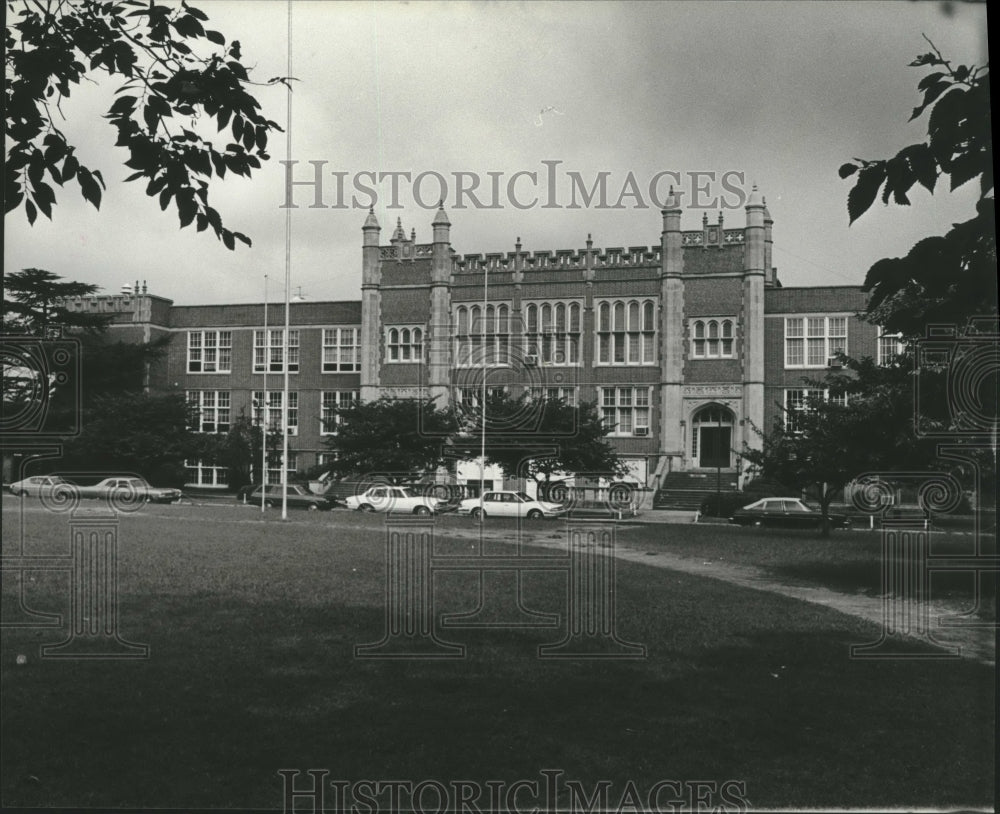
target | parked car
x=129, y=488
x=38, y=484
x=509, y=504
x=401, y=499
x=785, y=512
x=298, y=497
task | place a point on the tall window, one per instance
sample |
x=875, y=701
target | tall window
x=341, y=350
x=210, y=351
x=713, y=338
x=552, y=332
x=889, y=346
x=209, y=410
x=404, y=344
x=811, y=341
x=267, y=355
x=332, y=401
x=626, y=332
x=625, y=410
x=471, y=322
x=274, y=403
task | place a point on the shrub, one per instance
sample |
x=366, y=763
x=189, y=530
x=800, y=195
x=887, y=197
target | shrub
x=724, y=504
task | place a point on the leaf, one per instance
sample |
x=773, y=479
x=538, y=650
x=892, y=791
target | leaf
x=89, y=187
x=227, y=239
x=847, y=170
x=123, y=104
x=862, y=196
x=922, y=164
x=216, y=37
x=930, y=95
x=31, y=212
x=70, y=166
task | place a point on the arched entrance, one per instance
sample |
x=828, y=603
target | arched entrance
x=712, y=437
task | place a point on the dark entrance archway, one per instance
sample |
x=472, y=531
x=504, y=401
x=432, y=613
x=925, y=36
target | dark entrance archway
x=712, y=437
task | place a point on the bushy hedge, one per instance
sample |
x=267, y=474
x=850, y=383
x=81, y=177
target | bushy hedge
x=724, y=504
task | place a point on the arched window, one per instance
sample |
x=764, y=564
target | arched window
x=546, y=318
x=560, y=318
x=532, y=319
x=604, y=323
x=490, y=314
x=503, y=320
x=633, y=316
x=476, y=326
x=463, y=321
x=619, y=316
x=574, y=317
x=713, y=338
x=647, y=316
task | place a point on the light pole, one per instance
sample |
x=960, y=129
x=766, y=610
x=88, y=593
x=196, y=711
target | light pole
x=263, y=409
x=482, y=435
x=288, y=286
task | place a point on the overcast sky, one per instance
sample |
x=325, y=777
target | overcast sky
x=779, y=93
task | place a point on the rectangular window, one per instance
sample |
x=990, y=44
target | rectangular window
x=210, y=410
x=341, y=350
x=210, y=351
x=199, y=473
x=332, y=401
x=268, y=353
x=812, y=341
x=797, y=402
x=889, y=346
x=274, y=408
x=626, y=410
x=567, y=394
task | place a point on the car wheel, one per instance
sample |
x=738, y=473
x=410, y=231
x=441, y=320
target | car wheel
x=313, y=507
x=478, y=514
x=535, y=514
x=21, y=493
x=366, y=507
x=758, y=523
x=422, y=510
x=270, y=504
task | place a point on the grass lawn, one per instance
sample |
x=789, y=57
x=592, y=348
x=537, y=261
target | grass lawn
x=847, y=561
x=252, y=625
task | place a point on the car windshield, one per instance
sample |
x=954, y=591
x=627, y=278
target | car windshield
x=139, y=484
x=795, y=506
x=403, y=492
x=523, y=496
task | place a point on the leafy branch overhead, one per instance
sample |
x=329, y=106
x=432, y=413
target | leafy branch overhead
x=959, y=140
x=177, y=78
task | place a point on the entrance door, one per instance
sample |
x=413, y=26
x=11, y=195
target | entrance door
x=715, y=444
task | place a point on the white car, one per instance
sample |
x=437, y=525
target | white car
x=384, y=498
x=38, y=485
x=509, y=504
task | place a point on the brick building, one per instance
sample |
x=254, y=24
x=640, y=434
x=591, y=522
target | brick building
x=685, y=345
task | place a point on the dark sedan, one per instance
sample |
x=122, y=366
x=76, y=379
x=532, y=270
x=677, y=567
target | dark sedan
x=298, y=498
x=785, y=512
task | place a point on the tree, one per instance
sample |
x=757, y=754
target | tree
x=949, y=278
x=146, y=434
x=175, y=77
x=538, y=439
x=398, y=436
x=34, y=303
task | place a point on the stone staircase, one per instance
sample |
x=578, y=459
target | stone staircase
x=686, y=490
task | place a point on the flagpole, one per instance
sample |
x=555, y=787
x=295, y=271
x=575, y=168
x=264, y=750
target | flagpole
x=288, y=289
